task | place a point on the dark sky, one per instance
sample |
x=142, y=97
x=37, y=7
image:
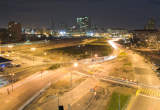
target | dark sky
x=109, y=13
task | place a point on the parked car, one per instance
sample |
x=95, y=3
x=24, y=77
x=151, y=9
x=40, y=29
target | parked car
x=158, y=71
x=17, y=65
x=1, y=70
x=9, y=65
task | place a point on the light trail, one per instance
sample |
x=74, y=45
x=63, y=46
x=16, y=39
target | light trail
x=113, y=44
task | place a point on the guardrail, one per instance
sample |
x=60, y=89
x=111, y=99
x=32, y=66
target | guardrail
x=29, y=101
x=119, y=81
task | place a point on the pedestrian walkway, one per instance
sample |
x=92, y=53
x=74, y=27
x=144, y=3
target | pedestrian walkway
x=152, y=93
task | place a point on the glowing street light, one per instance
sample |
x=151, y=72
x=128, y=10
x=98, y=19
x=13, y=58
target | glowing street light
x=12, y=80
x=10, y=46
x=96, y=55
x=33, y=49
x=45, y=53
x=75, y=64
x=62, y=33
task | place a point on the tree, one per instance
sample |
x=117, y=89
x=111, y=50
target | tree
x=154, y=41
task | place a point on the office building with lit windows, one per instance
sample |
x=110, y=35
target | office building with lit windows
x=15, y=31
x=83, y=23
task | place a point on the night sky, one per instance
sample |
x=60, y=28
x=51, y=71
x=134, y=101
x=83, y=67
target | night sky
x=110, y=13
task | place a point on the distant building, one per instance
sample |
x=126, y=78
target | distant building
x=15, y=31
x=117, y=32
x=4, y=35
x=83, y=23
x=144, y=34
x=62, y=26
x=143, y=37
x=151, y=25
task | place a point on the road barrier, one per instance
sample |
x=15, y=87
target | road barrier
x=29, y=101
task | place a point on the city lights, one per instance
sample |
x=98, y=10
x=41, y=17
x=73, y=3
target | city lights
x=75, y=64
x=80, y=55
x=91, y=34
x=33, y=49
x=62, y=33
x=10, y=46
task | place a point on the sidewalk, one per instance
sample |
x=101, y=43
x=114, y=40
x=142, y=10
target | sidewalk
x=26, y=88
x=71, y=97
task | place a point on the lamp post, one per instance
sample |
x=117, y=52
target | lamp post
x=12, y=76
x=33, y=49
x=45, y=53
x=10, y=48
x=96, y=55
x=119, y=105
x=75, y=65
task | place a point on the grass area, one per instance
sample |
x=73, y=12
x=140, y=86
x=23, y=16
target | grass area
x=151, y=55
x=115, y=99
x=125, y=68
x=60, y=87
x=54, y=66
x=58, y=65
x=25, y=72
x=99, y=47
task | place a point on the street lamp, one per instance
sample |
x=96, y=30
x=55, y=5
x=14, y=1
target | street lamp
x=96, y=55
x=45, y=53
x=12, y=76
x=75, y=64
x=10, y=47
x=33, y=49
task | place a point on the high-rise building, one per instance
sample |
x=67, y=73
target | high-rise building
x=52, y=24
x=15, y=31
x=151, y=25
x=4, y=35
x=83, y=23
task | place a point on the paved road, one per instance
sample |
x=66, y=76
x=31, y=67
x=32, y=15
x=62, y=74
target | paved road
x=30, y=85
x=144, y=74
x=26, y=88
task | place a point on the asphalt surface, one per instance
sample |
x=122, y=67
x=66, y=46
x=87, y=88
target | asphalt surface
x=22, y=90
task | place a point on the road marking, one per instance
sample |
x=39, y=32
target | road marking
x=150, y=93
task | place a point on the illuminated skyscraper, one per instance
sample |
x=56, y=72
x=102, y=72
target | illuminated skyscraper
x=151, y=25
x=52, y=24
x=15, y=31
x=83, y=23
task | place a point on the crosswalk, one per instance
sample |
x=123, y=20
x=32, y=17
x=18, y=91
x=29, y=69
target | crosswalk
x=153, y=93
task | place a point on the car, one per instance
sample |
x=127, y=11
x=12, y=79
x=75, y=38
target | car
x=9, y=65
x=1, y=70
x=17, y=65
x=158, y=70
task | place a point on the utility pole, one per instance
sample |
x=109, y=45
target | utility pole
x=71, y=79
x=119, y=103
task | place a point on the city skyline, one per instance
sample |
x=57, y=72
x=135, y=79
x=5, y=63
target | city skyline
x=127, y=14
x=80, y=55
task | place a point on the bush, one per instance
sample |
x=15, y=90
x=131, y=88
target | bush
x=55, y=66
